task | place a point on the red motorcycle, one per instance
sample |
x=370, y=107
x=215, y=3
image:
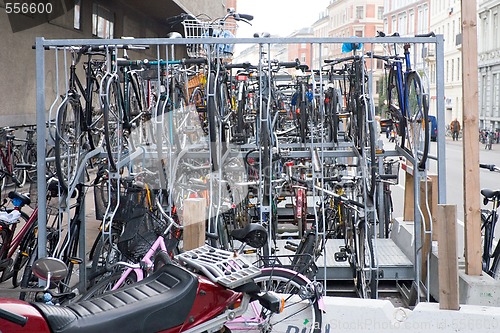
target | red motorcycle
x=172, y=299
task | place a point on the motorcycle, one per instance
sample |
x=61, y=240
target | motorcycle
x=205, y=290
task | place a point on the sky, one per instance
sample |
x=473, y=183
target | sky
x=278, y=17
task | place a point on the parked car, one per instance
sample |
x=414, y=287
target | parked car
x=433, y=127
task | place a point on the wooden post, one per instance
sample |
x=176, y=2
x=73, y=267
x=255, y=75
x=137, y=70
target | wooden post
x=472, y=206
x=448, y=260
x=194, y=216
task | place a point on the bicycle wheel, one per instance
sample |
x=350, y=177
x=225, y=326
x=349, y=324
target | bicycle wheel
x=5, y=236
x=30, y=158
x=70, y=146
x=417, y=120
x=107, y=284
x=95, y=113
x=394, y=105
x=365, y=279
x=21, y=254
x=332, y=116
x=115, y=137
x=29, y=280
x=213, y=123
x=369, y=153
x=105, y=252
x=301, y=301
x=18, y=177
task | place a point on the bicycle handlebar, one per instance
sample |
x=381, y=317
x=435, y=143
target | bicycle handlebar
x=490, y=167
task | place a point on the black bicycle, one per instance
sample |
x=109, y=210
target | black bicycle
x=79, y=127
x=489, y=219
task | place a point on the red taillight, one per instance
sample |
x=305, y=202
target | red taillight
x=241, y=77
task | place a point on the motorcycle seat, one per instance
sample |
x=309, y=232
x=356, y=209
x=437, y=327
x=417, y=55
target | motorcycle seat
x=161, y=301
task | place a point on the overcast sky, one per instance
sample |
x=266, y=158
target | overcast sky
x=279, y=17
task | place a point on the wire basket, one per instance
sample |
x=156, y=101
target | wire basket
x=204, y=29
x=52, y=207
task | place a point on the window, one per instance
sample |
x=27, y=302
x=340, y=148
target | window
x=360, y=12
x=77, y=15
x=102, y=22
x=452, y=69
x=380, y=13
x=358, y=33
x=302, y=57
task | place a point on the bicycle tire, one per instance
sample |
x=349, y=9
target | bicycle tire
x=18, y=176
x=5, y=236
x=213, y=126
x=284, y=281
x=21, y=262
x=22, y=254
x=417, y=120
x=369, y=151
x=394, y=105
x=29, y=279
x=107, y=284
x=30, y=157
x=103, y=253
x=69, y=147
x=115, y=137
x=95, y=113
x=333, y=116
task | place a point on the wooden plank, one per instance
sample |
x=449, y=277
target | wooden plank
x=472, y=206
x=448, y=259
x=194, y=216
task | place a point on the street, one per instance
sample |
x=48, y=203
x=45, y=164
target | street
x=454, y=176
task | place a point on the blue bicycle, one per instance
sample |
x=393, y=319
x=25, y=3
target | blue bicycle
x=408, y=103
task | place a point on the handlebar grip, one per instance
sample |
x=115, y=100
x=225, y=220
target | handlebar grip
x=288, y=64
x=490, y=167
x=385, y=177
x=124, y=62
x=243, y=65
x=247, y=17
x=194, y=61
x=298, y=180
x=430, y=34
x=356, y=203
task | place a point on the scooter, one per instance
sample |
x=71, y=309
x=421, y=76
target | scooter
x=173, y=299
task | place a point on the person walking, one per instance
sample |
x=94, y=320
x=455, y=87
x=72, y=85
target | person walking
x=455, y=129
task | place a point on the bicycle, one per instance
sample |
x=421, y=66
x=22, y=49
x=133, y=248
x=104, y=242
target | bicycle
x=385, y=205
x=408, y=103
x=489, y=219
x=78, y=128
x=361, y=121
x=13, y=168
x=17, y=245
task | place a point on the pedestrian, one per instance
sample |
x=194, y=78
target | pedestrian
x=455, y=129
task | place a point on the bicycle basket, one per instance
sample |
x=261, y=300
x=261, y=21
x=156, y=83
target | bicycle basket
x=202, y=29
x=52, y=207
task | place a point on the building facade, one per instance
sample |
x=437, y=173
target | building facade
x=489, y=64
x=446, y=21
x=88, y=19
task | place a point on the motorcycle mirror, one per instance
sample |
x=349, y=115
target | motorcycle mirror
x=50, y=269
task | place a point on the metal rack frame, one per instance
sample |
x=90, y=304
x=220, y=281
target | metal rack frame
x=327, y=150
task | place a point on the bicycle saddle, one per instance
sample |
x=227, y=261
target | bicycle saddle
x=253, y=234
x=161, y=301
x=25, y=200
x=490, y=194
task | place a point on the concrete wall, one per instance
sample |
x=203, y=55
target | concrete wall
x=17, y=74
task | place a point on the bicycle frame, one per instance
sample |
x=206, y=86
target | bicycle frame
x=145, y=262
x=14, y=243
x=489, y=229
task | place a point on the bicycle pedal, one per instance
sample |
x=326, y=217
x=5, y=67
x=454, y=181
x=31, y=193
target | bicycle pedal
x=341, y=256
